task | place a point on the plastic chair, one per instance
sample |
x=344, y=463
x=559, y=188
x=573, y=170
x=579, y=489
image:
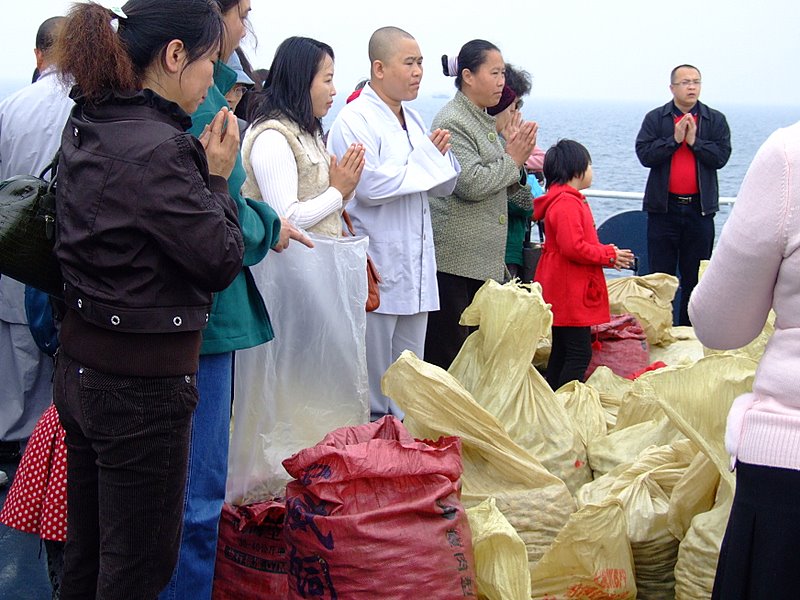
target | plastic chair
x=628, y=229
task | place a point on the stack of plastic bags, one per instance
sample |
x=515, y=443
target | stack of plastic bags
x=615, y=488
x=512, y=427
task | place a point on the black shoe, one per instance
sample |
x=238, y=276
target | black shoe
x=9, y=452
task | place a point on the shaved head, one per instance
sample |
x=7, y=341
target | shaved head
x=46, y=35
x=395, y=66
x=383, y=43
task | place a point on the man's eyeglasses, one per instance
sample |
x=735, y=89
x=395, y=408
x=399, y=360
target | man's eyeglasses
x=688, y=82
x=238, y=90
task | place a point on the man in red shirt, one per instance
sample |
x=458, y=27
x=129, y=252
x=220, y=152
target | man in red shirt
x=683, y=143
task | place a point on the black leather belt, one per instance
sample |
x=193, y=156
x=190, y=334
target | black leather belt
x=684, y=198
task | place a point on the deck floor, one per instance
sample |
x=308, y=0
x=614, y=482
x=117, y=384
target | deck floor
x=23, y=565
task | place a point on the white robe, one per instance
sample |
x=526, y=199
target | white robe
x=391, y=201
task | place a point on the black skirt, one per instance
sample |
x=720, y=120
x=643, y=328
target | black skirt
x=760, y=554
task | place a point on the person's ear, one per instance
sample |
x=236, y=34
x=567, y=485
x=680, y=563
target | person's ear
x=39, y=58
x=174, y=56
x=378, y=69
x=467, y=76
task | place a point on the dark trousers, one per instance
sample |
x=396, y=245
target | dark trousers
x=127, y=446
x=759, y=558
x=676, y=242
x=570, y=355
x=444, y=337
x=514, y=271
x=55, y=565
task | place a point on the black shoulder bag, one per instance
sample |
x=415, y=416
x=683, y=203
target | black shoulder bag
x=27, y=230
x=531, y=251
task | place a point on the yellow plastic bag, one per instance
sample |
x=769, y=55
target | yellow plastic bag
x=585, y=410
x=494, y=365
x=644, y=488
x=697, y=398
x=699, y=408
x=590, y=558
x=699, y=550
x=535, y=502
x=623, y=446
x=638, y=422
x=694, y=494
x=688, y=386
x=685, y=348
x=501, y=561
x=611, y=389
x=650, y=299
x=639, y=403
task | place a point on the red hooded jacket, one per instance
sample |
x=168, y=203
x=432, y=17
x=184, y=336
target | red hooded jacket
x=570, y=269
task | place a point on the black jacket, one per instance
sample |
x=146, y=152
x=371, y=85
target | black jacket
x=144, y=235
x=656, y=144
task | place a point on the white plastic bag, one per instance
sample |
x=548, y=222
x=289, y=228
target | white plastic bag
x=312, y=378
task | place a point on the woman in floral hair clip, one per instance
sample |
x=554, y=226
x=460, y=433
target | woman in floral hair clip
x=470, y=225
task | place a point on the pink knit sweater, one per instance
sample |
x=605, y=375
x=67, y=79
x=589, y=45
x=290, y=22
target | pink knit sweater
x=755, y=267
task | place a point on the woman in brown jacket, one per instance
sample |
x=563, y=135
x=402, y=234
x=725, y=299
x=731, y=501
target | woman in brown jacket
x=146, y=231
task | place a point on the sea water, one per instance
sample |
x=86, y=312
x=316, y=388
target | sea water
x=608, y=130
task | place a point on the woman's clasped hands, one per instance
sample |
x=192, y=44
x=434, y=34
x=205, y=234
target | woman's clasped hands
x=221, y=141
x=520, y=138
x=345, y=173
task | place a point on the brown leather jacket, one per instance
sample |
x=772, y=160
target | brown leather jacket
x=144, y=235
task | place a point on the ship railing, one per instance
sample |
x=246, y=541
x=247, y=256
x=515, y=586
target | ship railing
x=590, y=193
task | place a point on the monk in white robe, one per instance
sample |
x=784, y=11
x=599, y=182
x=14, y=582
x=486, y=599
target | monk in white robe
x=404, y=164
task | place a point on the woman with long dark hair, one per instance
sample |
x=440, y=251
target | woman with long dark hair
x=146, y=231
x=293, y=391
x=286, y=159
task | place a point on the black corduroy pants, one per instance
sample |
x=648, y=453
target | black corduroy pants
x=127, y=450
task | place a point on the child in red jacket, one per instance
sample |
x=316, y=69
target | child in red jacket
x=570, y=269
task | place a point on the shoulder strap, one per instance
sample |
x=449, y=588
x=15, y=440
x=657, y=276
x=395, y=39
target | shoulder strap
x=348, y=222
x=52, y=168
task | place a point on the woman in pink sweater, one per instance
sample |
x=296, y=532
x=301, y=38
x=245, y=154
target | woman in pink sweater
x=755, y=268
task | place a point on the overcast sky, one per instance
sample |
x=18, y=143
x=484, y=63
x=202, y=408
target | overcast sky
x=614, y=49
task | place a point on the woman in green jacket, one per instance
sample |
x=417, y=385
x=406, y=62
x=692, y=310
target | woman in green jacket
x=238, y=320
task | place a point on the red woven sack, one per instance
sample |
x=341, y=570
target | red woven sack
x=374, y=513
x=251, y=553
x=621, y=345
